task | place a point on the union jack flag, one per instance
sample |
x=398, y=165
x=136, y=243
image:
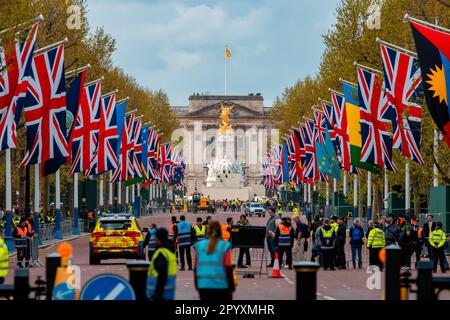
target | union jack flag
x=309, y=161
x=293, y=159
x=328, y=112
x=137, y=148
x=268, y=180
x=105, y=157
x=165, y=162
x=154, y=140
x=276, y=163
x=375, y=116
x=403, y=83
x=15, y=59
x=125, y=170
x=83, y=139
x=45, y=109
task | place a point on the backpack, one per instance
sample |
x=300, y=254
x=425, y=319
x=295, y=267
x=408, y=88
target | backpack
x=356, y=234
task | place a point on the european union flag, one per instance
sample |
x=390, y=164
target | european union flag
x=327, y=161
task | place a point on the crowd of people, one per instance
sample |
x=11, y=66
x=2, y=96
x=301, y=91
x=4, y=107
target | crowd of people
x=329, y=236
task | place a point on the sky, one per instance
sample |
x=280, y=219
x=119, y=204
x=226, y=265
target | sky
x=178, y=46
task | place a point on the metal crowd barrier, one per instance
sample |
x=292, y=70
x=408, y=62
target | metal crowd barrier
x=27, y=252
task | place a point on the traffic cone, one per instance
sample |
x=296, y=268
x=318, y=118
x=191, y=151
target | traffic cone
x=173, y=210
x=185, y=208
x=276, y=268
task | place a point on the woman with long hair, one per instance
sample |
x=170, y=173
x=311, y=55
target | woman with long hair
x=213, y=267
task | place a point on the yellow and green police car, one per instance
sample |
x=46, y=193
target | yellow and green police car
x=116, y=236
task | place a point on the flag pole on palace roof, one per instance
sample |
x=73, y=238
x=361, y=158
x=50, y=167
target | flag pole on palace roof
x=227, y=56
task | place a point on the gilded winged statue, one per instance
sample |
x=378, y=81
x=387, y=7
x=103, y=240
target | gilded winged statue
x=225, y=117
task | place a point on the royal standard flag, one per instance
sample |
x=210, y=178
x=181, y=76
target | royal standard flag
x=433, y=49
x=327, y=161
x=227, y=53
x=354, y=127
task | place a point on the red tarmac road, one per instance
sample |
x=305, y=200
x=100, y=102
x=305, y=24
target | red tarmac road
x=332, y=285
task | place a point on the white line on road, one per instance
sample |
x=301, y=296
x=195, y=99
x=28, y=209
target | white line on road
x=287, y=279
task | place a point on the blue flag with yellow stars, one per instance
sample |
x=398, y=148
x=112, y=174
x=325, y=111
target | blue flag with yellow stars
x=327, y=161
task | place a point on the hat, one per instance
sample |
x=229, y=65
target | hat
x=376, y=224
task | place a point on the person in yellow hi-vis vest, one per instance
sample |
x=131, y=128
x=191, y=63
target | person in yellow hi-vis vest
x=375, y=242
x=437, y=239
x=161, y=277
x=4, y=260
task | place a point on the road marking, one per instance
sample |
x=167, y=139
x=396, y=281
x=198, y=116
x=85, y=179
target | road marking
x=287, y=279
x=329, y=298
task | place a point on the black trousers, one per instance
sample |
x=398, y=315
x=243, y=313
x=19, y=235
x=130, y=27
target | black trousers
x=182, y=250
x=340, y=257
x=374, y=258
x=215, y=294
x=281, y=251
x=328, y=258
x=438, y=254
x=243, y=251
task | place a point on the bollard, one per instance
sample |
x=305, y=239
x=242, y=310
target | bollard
x=392, y=274
x=21, y=285
x=138, y=278
x=76, y=224
x=53, y=262
x=58, y=231
x=306, y=283
x=425, y=289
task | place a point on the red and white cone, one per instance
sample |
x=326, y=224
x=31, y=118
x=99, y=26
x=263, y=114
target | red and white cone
x=276, y=267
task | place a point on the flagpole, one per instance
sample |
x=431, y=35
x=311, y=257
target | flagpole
x=119, y=196
x=76, y=229
x=58, y=231
x=327, y=190
x=305, y=198
x=126, y=198
x=386, y=191
x=101, y=201
x=40, y=18
x=369, y=195
x=435, y=151
x=9, y=213
x=407, y=188
x=355, y=195
x=435, y=146
x=334, y=185
x=225, y=71
x=110, y=194
x=36, y=201
x=344, y=184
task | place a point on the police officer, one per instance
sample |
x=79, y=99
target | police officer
x=199, y=230
x=161, y=278
x=150, y=241
x=4, y=257
x=437, y=241
x=375, y=242
x=327, y=237
x=184, y=236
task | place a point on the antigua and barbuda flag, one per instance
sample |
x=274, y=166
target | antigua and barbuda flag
x=433, y=49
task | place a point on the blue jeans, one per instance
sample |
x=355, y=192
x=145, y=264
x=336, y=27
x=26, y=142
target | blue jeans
x=357, y=250
x=271, y=248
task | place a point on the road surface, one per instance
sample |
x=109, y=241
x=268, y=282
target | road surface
x=332, y=285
